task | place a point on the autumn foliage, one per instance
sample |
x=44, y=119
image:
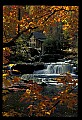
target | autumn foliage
x=38, y=104
x=25, y=19
x=42, y=105
x=37, y=16
x=41, y=17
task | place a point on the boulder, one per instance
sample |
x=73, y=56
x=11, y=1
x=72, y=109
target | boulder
x=27, y=68
x=24, y=68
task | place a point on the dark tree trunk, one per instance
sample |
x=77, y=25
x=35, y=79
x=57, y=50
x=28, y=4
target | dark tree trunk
x=19, y=18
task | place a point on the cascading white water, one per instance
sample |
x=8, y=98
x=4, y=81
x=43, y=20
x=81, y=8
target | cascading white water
x=56, y=68
x=52, y=70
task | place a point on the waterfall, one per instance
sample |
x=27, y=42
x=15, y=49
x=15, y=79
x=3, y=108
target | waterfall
x=52, y=70
x=56, y=68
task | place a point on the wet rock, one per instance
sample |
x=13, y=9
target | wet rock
x=27, y=68
x=24, y=68
x=43, y=84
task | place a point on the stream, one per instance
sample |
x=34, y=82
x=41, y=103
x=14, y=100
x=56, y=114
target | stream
x=51, y=71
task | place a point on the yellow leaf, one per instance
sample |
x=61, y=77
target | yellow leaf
x=11, y=65
x=5, y=97
x=66, y=90
x=55, y=98
x=6, y=83
x=4, y=48
x=4, y=75
x=53, y=109
x=5, y=91
x=28, y=91
x=47, y=113
x=30, y=23
x=62, y=92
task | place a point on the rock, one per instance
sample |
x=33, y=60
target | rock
x=27, y=68
x=24, y=68
x=43, y=84
x=16, y=72
x=39, y=66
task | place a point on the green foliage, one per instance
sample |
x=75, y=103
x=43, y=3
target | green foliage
x=20, y=50
x=54, y=38
x=51, y=45
x=48, y=45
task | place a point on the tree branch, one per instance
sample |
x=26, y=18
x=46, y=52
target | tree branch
x=60, y=100
x=55, y=12
x=13, y=39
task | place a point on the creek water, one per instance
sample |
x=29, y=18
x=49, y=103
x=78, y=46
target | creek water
x=56, y=68
x=46, y=75
x=53, y=70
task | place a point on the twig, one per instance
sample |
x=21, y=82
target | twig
x=7, y=44
x=60, y=100
x=55, y=12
